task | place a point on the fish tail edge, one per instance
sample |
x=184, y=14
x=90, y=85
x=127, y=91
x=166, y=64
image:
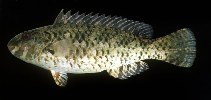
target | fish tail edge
x=179, y=47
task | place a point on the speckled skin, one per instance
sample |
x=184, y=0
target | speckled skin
x=84, y=47
x=87, y=48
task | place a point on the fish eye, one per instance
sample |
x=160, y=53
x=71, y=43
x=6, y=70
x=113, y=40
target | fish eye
x=26, y=36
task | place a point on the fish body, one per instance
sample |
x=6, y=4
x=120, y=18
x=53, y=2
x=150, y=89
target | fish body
x=80, y=43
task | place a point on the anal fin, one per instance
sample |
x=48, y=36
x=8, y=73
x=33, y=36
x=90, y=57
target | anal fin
x=60, y=78
x=125, y=71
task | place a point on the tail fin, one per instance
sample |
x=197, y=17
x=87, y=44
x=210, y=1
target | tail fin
x=179, y=47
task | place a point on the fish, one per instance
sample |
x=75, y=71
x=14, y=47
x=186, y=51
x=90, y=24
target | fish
x=91, y=43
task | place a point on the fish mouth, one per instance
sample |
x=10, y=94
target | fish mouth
x=13, y=43
x=9, y=46
x=14, y=49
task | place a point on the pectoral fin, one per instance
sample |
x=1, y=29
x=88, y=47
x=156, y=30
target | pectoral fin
x=60, y=78
x=126, y=71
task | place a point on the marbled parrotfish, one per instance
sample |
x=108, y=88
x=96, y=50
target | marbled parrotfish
x=91, y=43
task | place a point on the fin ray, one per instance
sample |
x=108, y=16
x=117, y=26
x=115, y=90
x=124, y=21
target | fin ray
x=137, y=28
x=59, y=18
x=179, y=48
x=60, y=78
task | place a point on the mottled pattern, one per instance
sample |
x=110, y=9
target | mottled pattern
x=178, y=48
x=126, y=71
x=86, y=43
x=93, y=49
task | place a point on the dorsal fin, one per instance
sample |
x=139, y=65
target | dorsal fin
x=59, y=18
x=137, y=28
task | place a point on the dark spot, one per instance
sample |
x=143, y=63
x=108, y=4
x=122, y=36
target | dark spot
x=79, y=66
x=71, y=36
x=71, y=64
x=127, y=54
x=19, y=53
x=158, y=56
x=55, y=34
x=109, y=44
x=122, y=54
x=95, y=58
x=92, y=44
x=121, y=69
x=80, y=40
x=73, y=40
x=106, y=39
x=100, y=38
x=99, y=65
x=166, y=54
x=66, y=57
x=107, y=51
x=74, y=57
x=51, y=51
x=55, y=62
x=164, y=48
x=149, y=56
x=106, y=58
x=46, y=59
x=139, y=57
x=97, y=52
x=48, y=34
x=117, y=52
x=87, y=43
x=141, y=53
x=165, y=43
x=100, y=57
x=111, y=63
x=84, y=51
x=103, y=52
x=109, y=71
x=82, y=36
x=77, y=51
x=122, y=42
x=95, y=38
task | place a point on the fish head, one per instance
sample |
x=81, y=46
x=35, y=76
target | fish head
x=28, y=44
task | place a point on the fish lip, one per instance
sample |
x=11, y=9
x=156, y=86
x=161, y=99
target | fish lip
x=11, y=43
x=9, y=46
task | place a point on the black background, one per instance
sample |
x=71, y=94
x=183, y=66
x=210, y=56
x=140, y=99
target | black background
x=161, y=81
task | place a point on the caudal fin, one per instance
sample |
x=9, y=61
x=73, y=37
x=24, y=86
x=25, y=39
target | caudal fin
x=179, y=47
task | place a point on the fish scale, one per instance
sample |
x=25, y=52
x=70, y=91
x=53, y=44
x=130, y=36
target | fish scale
x=86, y=43
x=112, y=44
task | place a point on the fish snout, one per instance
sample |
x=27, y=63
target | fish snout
x=12, y=48
x=12, y=45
